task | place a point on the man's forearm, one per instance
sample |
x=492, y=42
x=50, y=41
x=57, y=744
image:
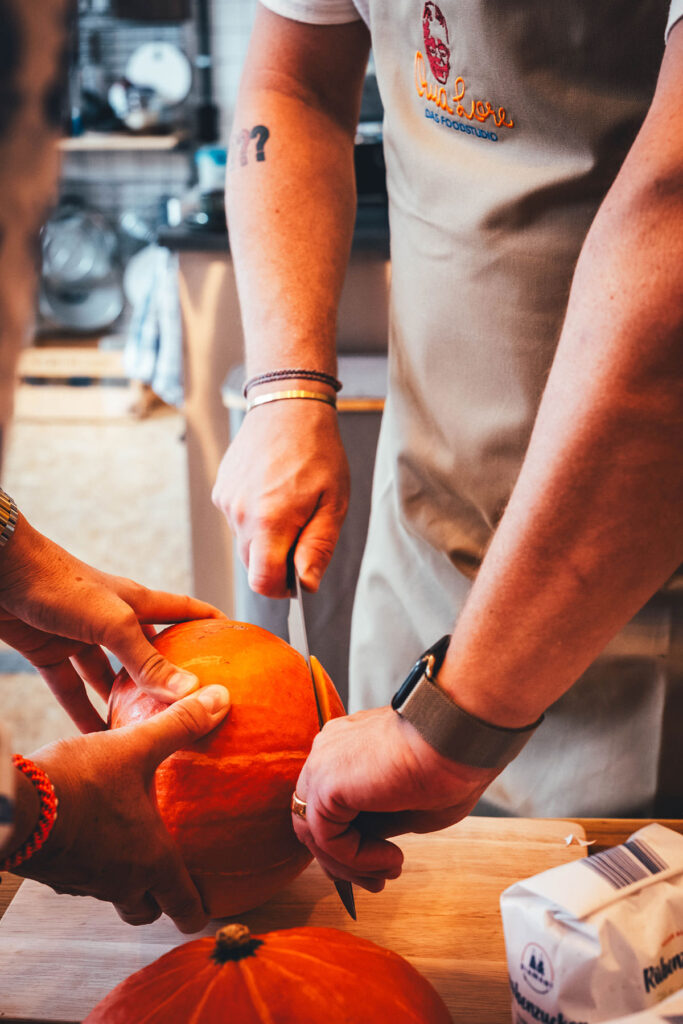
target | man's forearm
x=595, y=522
x=283, y=484
x=291, y=203
x=290, y=220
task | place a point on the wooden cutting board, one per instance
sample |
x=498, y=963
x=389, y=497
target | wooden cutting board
x=59, y=955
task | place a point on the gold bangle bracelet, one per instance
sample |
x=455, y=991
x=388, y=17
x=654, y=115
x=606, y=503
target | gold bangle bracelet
x=279, y=396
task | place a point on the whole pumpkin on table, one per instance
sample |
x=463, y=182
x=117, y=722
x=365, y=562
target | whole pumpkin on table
x=226, y=799
x=294, y=976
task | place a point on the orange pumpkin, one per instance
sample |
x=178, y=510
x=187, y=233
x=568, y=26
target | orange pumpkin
x=226, y=798
x=295, y=976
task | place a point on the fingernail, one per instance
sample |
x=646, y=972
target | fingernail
x=214, y=698
x=182, y=683
x=313, y=574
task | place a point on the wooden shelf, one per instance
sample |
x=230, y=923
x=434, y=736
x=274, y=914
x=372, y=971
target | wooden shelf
x=92, y=142
x=57, y=362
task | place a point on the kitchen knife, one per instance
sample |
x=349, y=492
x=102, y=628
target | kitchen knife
x=298, y=639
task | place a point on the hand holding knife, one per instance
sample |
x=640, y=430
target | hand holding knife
x=299, y=641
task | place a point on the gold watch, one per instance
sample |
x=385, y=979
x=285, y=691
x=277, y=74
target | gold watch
x=8, y=517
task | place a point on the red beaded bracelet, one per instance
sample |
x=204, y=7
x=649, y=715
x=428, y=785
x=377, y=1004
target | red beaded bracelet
x=46, y=818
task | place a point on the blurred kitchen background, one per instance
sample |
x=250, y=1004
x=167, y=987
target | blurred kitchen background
x=131, y=386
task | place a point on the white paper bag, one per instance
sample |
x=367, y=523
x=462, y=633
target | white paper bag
x=668, y=1012
x=599, y=938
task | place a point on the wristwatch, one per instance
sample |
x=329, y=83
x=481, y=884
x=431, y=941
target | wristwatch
x=448, y=728
x=8, y=517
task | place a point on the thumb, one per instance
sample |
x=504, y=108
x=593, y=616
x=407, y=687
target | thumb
x=315, y=547
x=149, y=669
x=182, y=723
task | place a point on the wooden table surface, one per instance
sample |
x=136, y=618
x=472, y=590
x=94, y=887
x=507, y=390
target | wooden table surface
x=59, y=955
x=603, y=832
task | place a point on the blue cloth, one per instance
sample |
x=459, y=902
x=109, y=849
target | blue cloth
x=154, y=344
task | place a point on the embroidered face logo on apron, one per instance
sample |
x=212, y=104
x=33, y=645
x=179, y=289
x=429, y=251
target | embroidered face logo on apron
x=437, y=44
x=447, y=104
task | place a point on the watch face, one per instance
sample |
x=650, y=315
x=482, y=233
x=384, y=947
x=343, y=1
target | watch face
x=409, y=683
x=437, y=652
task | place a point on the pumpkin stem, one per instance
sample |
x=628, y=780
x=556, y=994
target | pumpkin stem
x=234, y=942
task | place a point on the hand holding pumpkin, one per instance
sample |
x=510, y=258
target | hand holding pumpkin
x=370, y=776
x=109, y=840
x=60, y=613
x=285, y=476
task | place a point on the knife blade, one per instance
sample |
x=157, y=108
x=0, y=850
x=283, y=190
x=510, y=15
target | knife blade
x=298, y=639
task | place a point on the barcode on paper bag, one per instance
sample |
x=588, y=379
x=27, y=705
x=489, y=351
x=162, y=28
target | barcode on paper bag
x=626, y=864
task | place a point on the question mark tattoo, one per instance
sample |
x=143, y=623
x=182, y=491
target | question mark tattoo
x=239, y=149
x=243, y=141
x=261, y=134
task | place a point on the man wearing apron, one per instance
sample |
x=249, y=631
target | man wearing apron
x=505, y=127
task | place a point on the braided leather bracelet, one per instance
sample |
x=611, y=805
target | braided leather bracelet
x=46, y=818
x=277, y=375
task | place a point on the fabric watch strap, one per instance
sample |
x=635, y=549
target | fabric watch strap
x=451, y=730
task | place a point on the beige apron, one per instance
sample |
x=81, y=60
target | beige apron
x=505, y=124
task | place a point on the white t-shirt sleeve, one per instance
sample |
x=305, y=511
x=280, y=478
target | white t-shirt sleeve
x=6, y=787
x=315, y=12
x=675, y=14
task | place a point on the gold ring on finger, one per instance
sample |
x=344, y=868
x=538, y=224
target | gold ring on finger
x=298, y=806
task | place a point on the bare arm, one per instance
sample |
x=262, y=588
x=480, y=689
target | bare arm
x=595, y=522
x=291, y=214
x=290, y=217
